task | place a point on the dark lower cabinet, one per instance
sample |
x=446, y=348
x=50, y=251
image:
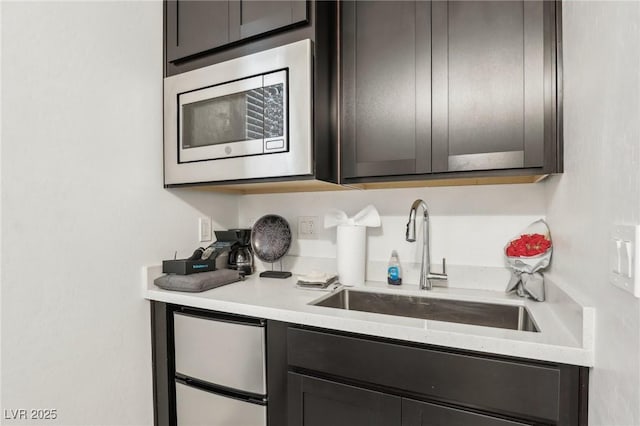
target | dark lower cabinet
x=317, y=402
x=320, y=402
x=437, y=386
x=418, y=413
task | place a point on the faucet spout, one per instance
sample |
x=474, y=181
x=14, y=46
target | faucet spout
x=411, y=225
x=425, y=269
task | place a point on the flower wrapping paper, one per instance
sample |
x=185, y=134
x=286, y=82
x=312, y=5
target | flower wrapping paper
x=526, y=255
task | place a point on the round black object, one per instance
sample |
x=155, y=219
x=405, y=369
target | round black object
x=270, y=237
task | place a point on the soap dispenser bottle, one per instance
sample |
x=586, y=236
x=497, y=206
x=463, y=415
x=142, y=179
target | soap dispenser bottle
x=394, y=273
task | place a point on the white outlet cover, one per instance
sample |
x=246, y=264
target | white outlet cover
x=624, y=252
x=204, y=229
x=308, y=227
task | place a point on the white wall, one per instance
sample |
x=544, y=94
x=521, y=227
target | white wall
x=83, y=207
x=600, y=188
x=469, y=225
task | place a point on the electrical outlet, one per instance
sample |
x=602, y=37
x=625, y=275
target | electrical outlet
x=308, y=227
x=204, y=228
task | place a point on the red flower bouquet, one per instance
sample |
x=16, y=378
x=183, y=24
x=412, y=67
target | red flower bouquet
x=526, y=255
x=528, y=245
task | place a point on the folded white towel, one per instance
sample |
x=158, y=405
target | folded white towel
x=316, y=277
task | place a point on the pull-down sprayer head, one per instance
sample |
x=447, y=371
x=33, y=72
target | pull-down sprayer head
x=411, y=225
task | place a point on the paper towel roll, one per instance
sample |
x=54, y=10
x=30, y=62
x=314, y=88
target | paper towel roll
x=351, y=251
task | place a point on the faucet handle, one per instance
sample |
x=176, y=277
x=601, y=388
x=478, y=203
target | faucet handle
x=438, y=275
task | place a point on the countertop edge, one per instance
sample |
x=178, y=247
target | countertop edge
x=581, y=354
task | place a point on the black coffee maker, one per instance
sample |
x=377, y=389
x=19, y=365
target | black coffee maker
x=241, y=256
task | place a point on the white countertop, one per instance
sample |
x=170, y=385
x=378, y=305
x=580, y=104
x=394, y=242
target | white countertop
x=566, y=327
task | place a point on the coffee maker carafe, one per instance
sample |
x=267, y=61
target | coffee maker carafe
x=241, y=256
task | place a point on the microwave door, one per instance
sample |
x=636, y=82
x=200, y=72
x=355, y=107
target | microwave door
x=221, y=121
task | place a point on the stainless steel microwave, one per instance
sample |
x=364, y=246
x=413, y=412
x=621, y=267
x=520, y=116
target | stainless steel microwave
x=246, y=118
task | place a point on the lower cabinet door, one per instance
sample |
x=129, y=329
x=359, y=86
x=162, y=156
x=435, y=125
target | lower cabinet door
x=416, y=413
x=197, y=407
x=317, y=402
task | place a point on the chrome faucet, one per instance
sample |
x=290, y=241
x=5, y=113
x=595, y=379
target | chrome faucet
x=425, y=270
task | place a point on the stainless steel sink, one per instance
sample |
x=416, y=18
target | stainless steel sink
x=459, y=311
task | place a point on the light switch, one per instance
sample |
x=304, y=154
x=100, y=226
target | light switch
x=204, y=229
x=624, y=259
x=629, y=257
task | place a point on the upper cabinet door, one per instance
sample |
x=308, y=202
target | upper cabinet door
x=386, y=88
x=493, y=84
x=251, y=18
x=195, y=26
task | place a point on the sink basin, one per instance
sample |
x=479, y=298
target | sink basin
x=476, y=313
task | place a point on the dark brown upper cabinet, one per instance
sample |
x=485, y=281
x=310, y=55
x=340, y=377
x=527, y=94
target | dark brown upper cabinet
x=439, y=90
x=386, y=88
x=260, y=17
x=195, y=27
x=492, y=84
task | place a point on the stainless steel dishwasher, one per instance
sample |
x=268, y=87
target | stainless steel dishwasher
x=220, y=370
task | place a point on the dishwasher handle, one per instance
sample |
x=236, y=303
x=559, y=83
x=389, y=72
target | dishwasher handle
x=221, y=390
x=222, y=317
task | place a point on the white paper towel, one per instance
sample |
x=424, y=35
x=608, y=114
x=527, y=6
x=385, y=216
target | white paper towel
x=368, y=216
x=351, y=251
